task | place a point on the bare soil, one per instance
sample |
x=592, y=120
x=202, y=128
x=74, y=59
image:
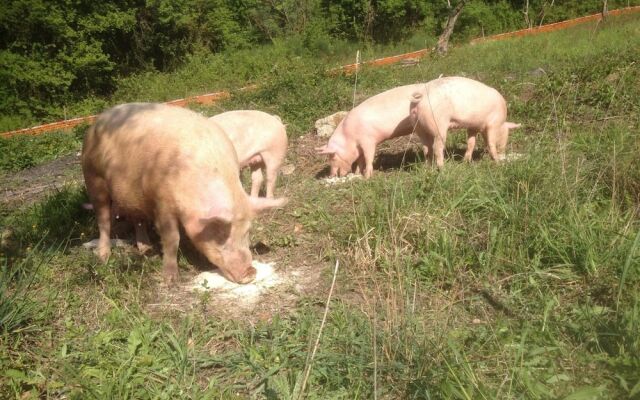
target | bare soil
x=30, y=185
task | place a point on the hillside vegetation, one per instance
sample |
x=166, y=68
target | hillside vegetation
x=480, y=281
x=61, y=59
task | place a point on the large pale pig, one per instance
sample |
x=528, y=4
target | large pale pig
x=381, y=117
x=170, y=165
x=260, y=140
x=457, y=102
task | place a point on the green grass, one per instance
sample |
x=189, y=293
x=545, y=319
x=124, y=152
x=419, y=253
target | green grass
x=511, y=281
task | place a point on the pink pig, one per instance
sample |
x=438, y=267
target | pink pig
x=170, y=165
x=457, y=102
x=260, y=140
x=379, y=118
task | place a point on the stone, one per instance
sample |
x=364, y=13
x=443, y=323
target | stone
x=325, y=126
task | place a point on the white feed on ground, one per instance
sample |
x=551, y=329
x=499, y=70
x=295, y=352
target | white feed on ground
x=266, y=277
x=337, y=180
x=114, y=243
x=511, y=157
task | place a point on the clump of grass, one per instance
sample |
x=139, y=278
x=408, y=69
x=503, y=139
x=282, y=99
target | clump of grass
x=57, y=219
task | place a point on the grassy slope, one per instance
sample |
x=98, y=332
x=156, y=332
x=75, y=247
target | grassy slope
x=479, y=281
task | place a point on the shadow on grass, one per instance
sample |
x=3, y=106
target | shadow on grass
x=407, y=159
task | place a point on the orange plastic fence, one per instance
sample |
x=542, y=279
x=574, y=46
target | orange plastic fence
x=381, y=61
x=349, y=68
x=557, y=25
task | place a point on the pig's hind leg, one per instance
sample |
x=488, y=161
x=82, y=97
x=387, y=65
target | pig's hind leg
x=360, y=165
x=272, y=167
x=256, y=179
x=439, y=142
x=142, y=238
x=99, y=195
x=427, y=147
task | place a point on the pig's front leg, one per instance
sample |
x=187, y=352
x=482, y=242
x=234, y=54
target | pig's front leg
x=368, y=152
x=491, y=138
x=167, y=227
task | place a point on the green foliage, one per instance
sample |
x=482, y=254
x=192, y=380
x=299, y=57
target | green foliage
x=60, y=58
x=23, y=151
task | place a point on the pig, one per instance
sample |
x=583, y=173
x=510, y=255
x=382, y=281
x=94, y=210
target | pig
x=169, y=165
x=379, y=118
x=260, y=140
x=458, y=102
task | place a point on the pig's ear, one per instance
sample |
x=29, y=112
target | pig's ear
x=222, y=212
x=215, y=202
x=261, y=204
x=326, y=149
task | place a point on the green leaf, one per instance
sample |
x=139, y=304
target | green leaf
x=134, y=342
x=16, y=374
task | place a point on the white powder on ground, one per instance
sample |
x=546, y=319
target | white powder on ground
x=114, y=242
x=514, y=156
x=337, y=180
x=266, y=277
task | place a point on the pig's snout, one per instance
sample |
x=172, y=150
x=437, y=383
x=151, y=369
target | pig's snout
x=247, y=275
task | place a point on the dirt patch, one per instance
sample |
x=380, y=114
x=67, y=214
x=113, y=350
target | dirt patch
x=31, y=185
x=295, y=274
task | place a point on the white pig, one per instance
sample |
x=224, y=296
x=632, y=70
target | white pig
x=457, y=102
x=170, y=165
x=260, y=140
x=381, y=117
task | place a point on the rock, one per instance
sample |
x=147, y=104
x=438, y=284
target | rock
x=538, y=72
x=325, y=126
x=612, y=77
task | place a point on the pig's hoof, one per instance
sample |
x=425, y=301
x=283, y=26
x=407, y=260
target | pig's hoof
x=144, y=248
x=170, y=278
x=249, y=276
x=104, y=255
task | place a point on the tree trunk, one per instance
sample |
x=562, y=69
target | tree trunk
x=605, y=10
x=526, y=16
x=443, y=41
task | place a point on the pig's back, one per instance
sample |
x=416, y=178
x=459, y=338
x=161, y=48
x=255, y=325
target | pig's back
x=386, y=112
x=149, y=152
x=463, y=95
x=251, y=132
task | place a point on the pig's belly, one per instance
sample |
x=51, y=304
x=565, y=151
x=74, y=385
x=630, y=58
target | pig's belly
x=130, y=200
x=255, y=160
